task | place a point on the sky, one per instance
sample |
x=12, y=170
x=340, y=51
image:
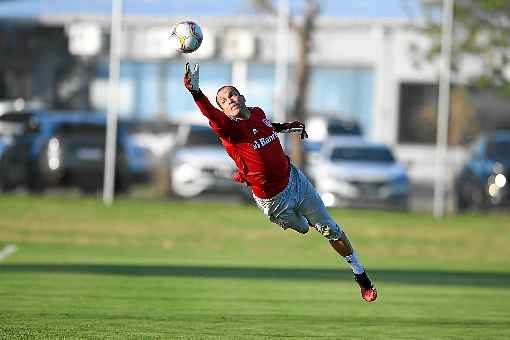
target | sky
x=404, y=9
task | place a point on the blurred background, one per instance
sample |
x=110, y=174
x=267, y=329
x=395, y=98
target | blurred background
x=363, y=76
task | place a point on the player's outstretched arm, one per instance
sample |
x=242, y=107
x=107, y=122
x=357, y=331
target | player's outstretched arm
x=295, y=126
x=220, y=123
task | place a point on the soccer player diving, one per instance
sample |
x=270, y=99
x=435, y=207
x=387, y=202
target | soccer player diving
x=280, y=189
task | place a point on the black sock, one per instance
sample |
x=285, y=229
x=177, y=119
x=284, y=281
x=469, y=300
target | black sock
x=363, y=280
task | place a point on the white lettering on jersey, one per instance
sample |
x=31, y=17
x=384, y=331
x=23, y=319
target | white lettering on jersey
x=254, y=131
x=257, y=144
x=267, y=122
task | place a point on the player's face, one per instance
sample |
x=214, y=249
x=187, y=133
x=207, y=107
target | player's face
x=231, y=101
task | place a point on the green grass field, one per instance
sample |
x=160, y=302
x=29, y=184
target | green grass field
x=182, y=270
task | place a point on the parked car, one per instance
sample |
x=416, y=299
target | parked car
x=482, y=182
x=321, y=128
x=148, y=144
x=351, y=171
x=141, y=161
x=62, y=149
x=13, y=167
x=199, y=163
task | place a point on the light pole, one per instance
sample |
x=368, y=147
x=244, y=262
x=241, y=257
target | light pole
x=113, y=103
x=282, y=57
x=443, y=109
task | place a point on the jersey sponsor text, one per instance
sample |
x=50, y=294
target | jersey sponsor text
x=257, y=144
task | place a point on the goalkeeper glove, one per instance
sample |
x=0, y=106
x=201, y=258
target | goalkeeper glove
x=291, y=127
x=191, y=79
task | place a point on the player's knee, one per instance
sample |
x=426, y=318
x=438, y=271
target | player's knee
x=331, y=231
x=284, y=224
x=300, y=229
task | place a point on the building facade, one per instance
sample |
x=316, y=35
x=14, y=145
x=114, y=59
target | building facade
x=363, y=70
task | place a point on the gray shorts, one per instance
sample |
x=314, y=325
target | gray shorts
x=298, y=206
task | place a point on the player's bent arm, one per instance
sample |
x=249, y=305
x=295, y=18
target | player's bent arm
x=278, y=127
x=220, y=123
x=295, y=126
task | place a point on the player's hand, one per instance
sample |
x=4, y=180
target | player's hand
x=296, y=125
x=239, y=177
x=191, y=78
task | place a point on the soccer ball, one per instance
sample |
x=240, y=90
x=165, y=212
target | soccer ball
x=186, y=36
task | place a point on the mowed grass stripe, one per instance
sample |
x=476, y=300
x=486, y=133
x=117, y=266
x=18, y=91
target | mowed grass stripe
x=422, y=277
x=91, y=306
x=226, y=233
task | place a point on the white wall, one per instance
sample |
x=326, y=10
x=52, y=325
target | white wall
x=384, y=46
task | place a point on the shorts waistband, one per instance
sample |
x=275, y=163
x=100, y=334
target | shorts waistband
x=292, y=174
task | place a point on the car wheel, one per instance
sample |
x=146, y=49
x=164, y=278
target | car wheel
x=462, y=203
x=478, y=199
x=403, y=204
x=36, y=185
x=121, y=185
x=5, y=186
x=462, y=192
x=188, y=186
x=88, y=189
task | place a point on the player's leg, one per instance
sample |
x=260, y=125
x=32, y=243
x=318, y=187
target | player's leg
x=318, y=217
x=281, y=209
x=289, y=219
x=344, y=248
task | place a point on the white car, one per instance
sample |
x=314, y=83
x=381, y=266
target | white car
x=199, y=163
x=350, y=171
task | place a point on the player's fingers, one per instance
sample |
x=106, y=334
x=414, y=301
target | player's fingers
x=186, y=68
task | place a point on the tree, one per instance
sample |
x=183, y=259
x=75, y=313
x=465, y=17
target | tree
x=481, y=32
x=303, y=29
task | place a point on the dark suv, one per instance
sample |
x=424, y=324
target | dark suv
x=13, y=157
x=482, y=182
x=60, y=149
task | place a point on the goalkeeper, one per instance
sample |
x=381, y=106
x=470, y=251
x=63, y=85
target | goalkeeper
x=280, y=189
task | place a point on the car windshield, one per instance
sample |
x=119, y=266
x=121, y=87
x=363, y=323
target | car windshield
x=12, y=124
x=343, y=128
x=11, y=128
x=202, y=137
x=499, y=150
x=312, y=146
x=362, y=154
x=82, y=128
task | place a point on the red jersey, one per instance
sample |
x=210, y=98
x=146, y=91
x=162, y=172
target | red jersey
x=253, y=145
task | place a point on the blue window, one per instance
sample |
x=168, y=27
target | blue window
x=143, y=80
x=212, y=76
x=99, y=88
x=343, y=92
x=147, y=94
x=260, y=87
